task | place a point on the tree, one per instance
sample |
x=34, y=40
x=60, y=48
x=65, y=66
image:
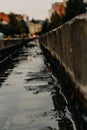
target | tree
x=74, y=8
x=23, y=27
x=19, y=25
x=46, y=26
x=56, y=20
x=15, y=23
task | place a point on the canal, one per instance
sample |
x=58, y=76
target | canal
x=29, y=99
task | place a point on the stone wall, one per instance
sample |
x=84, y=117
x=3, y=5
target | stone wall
x=68, y=43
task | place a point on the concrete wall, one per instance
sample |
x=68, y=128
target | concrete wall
x=68, y=43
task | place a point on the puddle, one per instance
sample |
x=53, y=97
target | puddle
x=27, y=96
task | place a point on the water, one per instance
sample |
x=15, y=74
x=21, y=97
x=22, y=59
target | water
x=26, y=98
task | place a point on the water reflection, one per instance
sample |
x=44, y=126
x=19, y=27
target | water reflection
x=31, y=109
x=5, y=72
x=28, y=97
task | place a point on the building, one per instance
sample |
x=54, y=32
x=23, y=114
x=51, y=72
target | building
x=34, y=27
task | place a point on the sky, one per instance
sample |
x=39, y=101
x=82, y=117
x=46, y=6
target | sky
x=37, y=9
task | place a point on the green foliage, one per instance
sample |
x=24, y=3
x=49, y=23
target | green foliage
x=7, y=29
x=19, y=24
x=14, y=23
x=74, y=8
x=46, y=26
x=16, y=26
x=23, y=27
x=56, y=20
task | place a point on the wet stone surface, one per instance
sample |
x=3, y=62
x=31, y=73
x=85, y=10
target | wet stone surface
x=29, y=99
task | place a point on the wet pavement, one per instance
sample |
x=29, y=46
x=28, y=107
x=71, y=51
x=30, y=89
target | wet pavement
x=28, y=96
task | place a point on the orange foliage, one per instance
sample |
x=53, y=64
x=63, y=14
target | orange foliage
x=4, y=17
x=60, y=8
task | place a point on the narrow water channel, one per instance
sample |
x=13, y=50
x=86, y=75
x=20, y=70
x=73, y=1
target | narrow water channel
x=27, y=100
